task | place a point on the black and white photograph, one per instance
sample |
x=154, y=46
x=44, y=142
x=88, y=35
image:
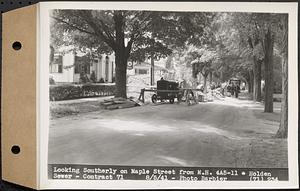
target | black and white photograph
x=168, y=95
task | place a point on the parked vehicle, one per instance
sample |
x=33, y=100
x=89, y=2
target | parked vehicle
x=167, y=90
x=234, y=87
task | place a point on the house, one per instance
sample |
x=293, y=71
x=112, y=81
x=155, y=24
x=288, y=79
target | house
x=145, y=68
x=69, y=66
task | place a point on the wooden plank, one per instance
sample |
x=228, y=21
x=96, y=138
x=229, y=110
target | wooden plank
x=121, y=106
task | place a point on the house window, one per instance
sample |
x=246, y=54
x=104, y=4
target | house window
x=57, y=64
x=60, y=68
x=82, y=65
x=77, y=65
x=142, y=71
x=85, y=69
x=77, y=68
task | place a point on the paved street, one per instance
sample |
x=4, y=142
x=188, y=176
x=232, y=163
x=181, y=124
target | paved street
x=230, y=132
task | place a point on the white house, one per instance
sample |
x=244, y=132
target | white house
x=67, y=67
x=145, y=67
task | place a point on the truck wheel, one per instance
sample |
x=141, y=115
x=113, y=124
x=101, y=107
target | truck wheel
x=154, y=98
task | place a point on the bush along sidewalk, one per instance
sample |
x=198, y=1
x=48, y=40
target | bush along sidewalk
x=72, y=91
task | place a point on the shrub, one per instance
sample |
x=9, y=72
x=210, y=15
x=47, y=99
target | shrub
x=101, y=80
x=51, y=81
x=65, y=92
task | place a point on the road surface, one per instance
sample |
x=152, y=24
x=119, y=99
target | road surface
x=224, y=133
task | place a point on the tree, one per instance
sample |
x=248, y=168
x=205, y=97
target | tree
x=248, y=35
x=64, y=40
x=282, y=44
x=204, y=69
x=257, y=34
x=121, y=29
x=268, y=42
x=266, y=25
x=108, y=27
x=202, y=50
x=235, y=55
x=202, y=60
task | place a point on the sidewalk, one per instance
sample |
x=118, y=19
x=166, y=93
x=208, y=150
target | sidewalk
x=64, y=108
x=81, y=100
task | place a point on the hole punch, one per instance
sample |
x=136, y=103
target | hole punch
x=17, y=45
x=15, y=149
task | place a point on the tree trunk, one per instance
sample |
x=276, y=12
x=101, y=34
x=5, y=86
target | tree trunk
x=247, y=78
x=210, y=78
x=283, y=128
x=250, y=85
x=256, y=79
x=199, y=77
x=222, y=76
x=204, y=83
x=121, y=71
x=269, y=45
x=121, y=56
x=152, y=71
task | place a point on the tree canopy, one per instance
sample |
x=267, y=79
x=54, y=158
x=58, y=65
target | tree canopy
x=129, y=34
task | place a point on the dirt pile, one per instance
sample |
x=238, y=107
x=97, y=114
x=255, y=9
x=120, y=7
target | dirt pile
x=137, y=82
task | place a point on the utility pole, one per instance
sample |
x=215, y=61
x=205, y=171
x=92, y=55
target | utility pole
x=152, y=71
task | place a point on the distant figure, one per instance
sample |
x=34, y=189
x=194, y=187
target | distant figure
x=232, y=88
x=199, y=93
x=223, y=86
x=237, y=91
x=262, y=86
x=243, y=86
x=162, y=78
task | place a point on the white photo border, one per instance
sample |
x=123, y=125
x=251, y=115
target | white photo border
x=43, y=93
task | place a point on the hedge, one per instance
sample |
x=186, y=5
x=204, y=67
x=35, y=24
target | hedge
x=66, y=92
